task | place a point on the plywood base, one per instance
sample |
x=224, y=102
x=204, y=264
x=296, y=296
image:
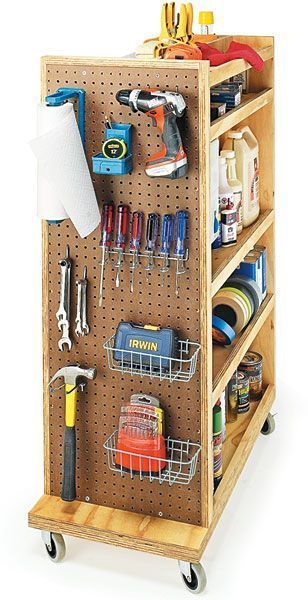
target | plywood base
x=151, y=534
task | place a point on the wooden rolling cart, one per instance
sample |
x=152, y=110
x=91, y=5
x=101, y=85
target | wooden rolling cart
x=174, y=521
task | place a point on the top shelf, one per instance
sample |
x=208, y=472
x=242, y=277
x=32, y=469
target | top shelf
x=223, y=72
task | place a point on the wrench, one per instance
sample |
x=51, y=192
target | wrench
x=65, y=339
x=82, y=327
x=63, y=313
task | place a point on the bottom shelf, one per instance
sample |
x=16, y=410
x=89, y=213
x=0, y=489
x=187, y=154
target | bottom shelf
x=153, y=534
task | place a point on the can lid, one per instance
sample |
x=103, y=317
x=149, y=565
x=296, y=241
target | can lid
x=206, y=17
x=217, y=419
x=251, y=358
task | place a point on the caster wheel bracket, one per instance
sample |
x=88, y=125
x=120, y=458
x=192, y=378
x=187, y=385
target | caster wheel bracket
x=46, y=537
x=185, y=569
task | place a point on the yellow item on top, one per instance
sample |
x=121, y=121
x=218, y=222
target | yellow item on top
x=206, y=17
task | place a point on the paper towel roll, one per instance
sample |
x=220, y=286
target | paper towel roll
x=65, y=188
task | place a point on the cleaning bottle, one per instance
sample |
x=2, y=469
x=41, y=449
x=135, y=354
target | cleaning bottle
x=226, y=207
x=214, y=194
x=236, y=186
x=246, y=148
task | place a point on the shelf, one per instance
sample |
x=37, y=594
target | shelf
x=251, y=103
x=241, y=438
x=226, y=359
x=153, y=534
x=223, y=72
x=226, y=260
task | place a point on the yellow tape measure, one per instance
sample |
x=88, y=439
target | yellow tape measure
x=114, y=148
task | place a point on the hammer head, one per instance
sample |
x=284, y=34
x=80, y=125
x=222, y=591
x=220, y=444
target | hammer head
x=71, y=373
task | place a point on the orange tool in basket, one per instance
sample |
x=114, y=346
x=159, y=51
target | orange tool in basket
x=141, y=447
x=141, y=455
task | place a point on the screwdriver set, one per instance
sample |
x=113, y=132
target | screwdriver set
x=128, y=230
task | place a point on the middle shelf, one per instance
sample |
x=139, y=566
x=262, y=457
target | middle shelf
x=227, y=358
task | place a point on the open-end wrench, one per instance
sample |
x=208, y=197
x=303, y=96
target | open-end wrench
x=63, y=313
x=82, y=327
x=65, y=339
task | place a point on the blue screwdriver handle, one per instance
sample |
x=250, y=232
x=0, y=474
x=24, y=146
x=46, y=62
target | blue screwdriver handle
x=166, y=234
x=180, y=232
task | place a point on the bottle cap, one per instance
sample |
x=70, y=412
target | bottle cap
x=206, y=17
x=236, y=135
x=227, y=153
x=217, y=419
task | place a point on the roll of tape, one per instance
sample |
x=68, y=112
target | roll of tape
x=248, y=295
x=250, y=285
x=222, y=333
x=232, y=309
x=243, y=295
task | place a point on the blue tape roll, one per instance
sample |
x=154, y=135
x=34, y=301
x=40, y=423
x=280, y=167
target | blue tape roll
x=222, y=333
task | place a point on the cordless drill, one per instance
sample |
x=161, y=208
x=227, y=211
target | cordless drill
x=164, y=108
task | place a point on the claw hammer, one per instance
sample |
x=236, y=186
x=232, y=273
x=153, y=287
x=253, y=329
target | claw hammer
x=71, y=375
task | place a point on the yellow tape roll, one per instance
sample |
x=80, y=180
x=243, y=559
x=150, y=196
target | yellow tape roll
x=235, y=313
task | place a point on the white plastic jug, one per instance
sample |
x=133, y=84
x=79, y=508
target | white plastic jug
x=246, y=148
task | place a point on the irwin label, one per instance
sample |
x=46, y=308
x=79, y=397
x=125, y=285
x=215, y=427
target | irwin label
x=143, y=345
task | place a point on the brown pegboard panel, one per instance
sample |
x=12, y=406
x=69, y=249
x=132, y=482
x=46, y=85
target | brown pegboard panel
x=98, y=407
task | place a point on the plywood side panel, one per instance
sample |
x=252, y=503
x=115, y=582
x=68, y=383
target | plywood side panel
x=98, y=406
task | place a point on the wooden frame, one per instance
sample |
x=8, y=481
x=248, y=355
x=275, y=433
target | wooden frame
x=157, y=535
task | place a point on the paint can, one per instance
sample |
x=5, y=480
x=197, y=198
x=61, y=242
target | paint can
x=232, y=399
x=242, y=392
x=251, y=365
x=222, y=403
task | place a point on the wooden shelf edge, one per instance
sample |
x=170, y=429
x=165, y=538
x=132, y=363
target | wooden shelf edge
x=250, y=105
x=238, y=252
x=239, y=460
x=241, y=347
x=223, y=72
x=173, y=539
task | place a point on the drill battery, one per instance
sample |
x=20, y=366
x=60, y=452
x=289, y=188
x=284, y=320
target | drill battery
x=147, y=346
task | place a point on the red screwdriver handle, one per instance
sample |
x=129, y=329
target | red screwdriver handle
x=136, y=230
x=107, y=223
x=122, y=226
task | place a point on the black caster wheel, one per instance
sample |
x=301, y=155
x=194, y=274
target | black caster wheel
x=55, y=546
x=195, y=582
x=269, y=425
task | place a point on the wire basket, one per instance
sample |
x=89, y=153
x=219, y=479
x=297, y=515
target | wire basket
x=132, y=362
x=179, y=466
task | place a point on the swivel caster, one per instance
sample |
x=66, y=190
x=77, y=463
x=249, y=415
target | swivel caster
x=55, y=545
x=193, y=576
x=269, y=425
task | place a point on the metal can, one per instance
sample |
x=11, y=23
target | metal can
x=242, y=392
x=251, y=365
x=232, y=399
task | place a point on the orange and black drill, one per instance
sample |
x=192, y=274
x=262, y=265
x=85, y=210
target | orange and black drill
x=164, y=108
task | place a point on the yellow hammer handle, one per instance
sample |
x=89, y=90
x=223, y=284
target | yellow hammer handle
x=70, y=405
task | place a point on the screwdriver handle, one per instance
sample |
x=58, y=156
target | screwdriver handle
x=121, y=226
x=136, y=230
x=180, y=232
x=152, y=232
x=166, y=233
x=107, y=218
